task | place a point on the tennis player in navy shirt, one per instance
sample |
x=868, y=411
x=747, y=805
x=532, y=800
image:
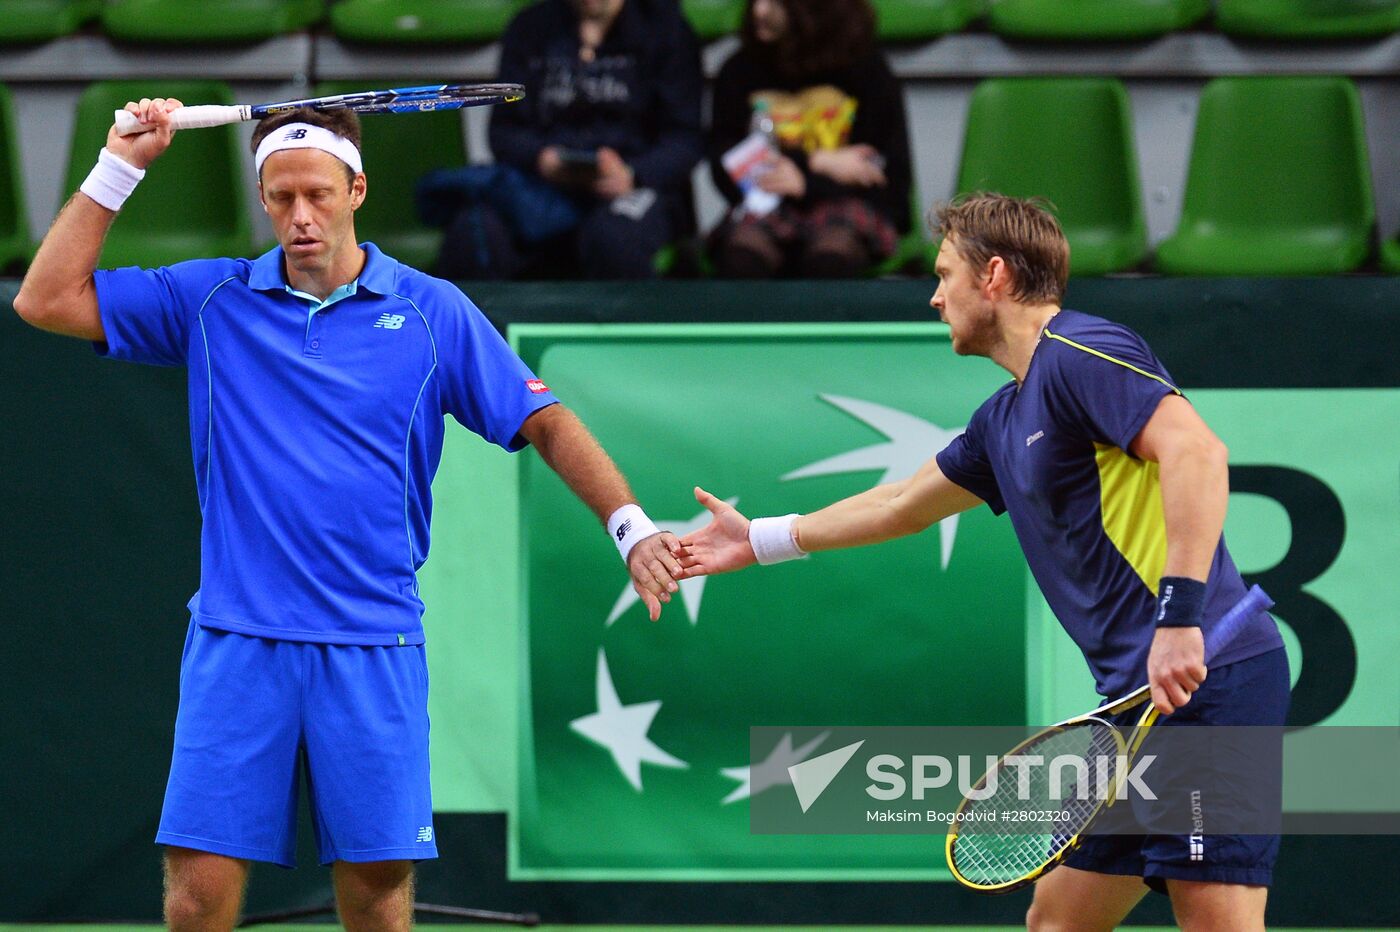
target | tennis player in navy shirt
x=319, y=377
x=1117, y=492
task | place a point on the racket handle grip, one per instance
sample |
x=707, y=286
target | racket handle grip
x=194, y=117
x=1228, y=627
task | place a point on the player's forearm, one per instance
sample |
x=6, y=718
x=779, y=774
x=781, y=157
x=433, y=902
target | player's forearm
x=1195, y=481
x=58, y=293
x=872, y=517
x=571, y=450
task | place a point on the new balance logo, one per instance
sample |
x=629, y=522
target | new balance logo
x=1034, y=437
x=296, y=133
x=425, y=833
x=623, y=528
x=390, y=321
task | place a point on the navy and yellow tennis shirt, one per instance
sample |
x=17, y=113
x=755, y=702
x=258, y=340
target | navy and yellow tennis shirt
x=1053, y=454
x=316, y=429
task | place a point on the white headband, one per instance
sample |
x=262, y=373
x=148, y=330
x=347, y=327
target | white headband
x=306, y=136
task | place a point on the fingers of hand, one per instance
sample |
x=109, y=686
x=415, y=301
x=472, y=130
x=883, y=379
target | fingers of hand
x=664, y=574
x=650, y=601
x=1173, y=688
x=711, y=503
x=1178, y=693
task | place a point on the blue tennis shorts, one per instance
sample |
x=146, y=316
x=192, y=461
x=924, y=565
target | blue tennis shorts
x=254, y=710
x=1251, y=692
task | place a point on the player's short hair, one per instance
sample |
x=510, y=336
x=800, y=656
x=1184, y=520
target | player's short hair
x=345, y=123
x=1023, y=232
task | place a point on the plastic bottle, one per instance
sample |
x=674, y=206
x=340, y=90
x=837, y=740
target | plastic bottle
x=757, y=201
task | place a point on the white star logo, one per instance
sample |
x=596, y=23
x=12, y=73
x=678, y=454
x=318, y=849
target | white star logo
x=912, y=442
x=692, y=587
x=622, y=729
x=773, y=771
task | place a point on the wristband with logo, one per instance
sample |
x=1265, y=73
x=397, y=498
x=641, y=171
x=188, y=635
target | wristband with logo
x=1181, y=602
x=628, y=525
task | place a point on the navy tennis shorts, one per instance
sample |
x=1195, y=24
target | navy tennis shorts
x=253, y=711
x=1251, y=692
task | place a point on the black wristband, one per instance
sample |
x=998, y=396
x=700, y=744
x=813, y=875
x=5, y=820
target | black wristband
x=1181, y=602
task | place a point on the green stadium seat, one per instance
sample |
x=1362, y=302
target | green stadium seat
x=911, y=20
x=911, y=252
x=1308, y=19
x=1069, y=20
x=191, y=204
x=1390, y=257
x=1279, y=182
x=398, y=150
x=1068, y=140
x=208, y=21
x=42, y=20
x=712, y=19
x=14, y=222
x=382, y=21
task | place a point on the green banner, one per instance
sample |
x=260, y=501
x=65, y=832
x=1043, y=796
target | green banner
x=643, y=728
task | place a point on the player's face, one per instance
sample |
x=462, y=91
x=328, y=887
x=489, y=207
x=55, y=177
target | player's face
x=312, y=206
x=770, y=20
x=961, y=302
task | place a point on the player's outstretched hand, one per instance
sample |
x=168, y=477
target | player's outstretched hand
x=141, y=149
x=721, y=546
x=655, y=567
x=1176, y=667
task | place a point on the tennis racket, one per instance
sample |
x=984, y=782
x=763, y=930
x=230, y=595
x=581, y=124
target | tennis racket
x=393, y=100
x=992, y=852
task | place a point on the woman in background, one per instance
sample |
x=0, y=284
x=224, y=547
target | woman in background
x=840, y=158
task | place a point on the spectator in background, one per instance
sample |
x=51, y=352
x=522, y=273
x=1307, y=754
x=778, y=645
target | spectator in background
x=841, y=160
x=593, y=166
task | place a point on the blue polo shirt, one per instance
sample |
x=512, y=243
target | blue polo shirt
x=1053, y=454
x=316, y=429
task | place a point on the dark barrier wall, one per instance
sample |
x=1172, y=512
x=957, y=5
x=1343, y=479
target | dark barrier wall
x=100, y=553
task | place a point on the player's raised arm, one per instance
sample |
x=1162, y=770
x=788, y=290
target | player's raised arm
x=896, y=509
x=58, y=294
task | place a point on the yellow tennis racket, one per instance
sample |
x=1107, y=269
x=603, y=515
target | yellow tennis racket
x=1024, y=828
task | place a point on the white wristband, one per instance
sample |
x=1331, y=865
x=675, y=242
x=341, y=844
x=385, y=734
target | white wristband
x=773, y=541
x=628, y=525
x=111, y=180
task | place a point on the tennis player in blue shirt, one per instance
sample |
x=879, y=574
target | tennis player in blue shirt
x=319, y=377
x=1117, y=492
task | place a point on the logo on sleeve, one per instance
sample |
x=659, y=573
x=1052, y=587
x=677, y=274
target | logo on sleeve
x=425, y=833
x=390, y=321
x=1034, y=437
x=536, y=386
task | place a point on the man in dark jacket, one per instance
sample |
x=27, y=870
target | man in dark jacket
x=602, y=145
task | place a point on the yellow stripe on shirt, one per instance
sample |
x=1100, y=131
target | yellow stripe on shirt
x=1126, y=365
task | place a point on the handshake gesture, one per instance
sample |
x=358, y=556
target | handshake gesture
x=659, y=562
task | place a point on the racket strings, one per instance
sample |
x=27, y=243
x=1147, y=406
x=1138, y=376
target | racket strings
x=1018, y=829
